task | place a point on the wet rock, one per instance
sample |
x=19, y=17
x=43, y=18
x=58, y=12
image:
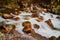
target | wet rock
x=51, y=16
x=28, y=31
x=36, y=26
x=35, y=14
x=7, y=16
x=16, y=19
x=27, y=18
x=39, y=19
x=58, y=17
x=39, y=37
x=26, y=24
x=27, y=28
x=16, y=38
x=16, y=13
x=27, y=37
x=58, y=38
x=50, y=23
x=52, y=38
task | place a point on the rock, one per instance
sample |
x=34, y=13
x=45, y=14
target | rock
x=51, y=16
x=28, y=28
x=39, y=37
x=27, y=18
x=35, y=14
x=2, y=29
x=36, y=26
x=50, y=23
x=16, y=19
x=52, y=38
x=16, y=13
x=27, y=37
x=2, y=36
x=58, y=17
x=7, y=16
x=16, y=38
x=28, y=31
x=39, y=19
x=58, y=38
x=26, y=24
x=0, y=14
